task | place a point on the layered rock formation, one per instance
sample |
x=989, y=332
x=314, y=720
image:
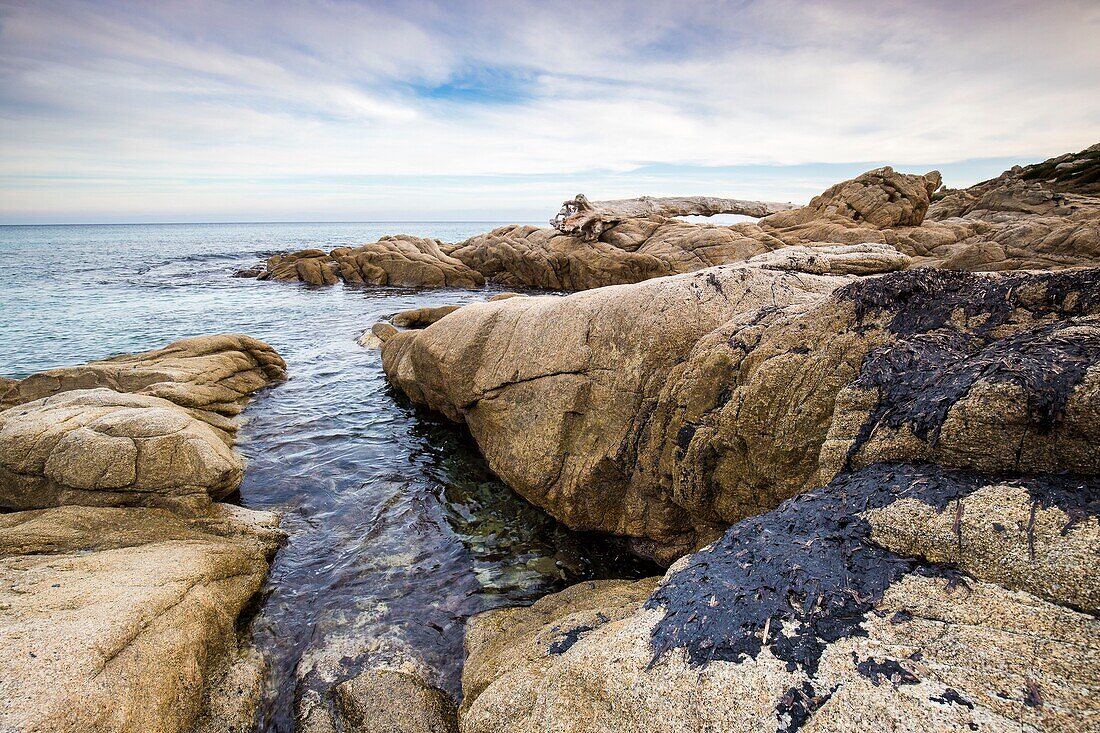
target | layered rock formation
x=1045, y=216
x=152, y=429
x=115, y=613
x=395, y=260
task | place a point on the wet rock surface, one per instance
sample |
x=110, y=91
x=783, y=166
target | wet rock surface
x=383, y=701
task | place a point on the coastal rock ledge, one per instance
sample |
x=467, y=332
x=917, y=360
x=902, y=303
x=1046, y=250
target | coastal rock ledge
x=122, y=580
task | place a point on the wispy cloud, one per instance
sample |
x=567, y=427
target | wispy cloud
x=339, y=109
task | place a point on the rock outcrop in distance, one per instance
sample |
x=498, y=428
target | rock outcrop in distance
x=1045, y=216
x=122, y=580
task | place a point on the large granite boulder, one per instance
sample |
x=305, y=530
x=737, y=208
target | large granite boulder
x=99, y=447
x=665, y=411
x=151, y=429
x=126, y=619
x=823, y=615
x=881, y=198
x=556, y=391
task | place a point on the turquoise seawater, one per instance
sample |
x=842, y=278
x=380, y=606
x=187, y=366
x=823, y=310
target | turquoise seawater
x=398, y=529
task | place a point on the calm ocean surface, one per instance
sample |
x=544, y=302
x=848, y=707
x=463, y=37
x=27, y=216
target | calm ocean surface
x=398, y=530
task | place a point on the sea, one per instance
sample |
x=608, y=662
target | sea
x=398, y=530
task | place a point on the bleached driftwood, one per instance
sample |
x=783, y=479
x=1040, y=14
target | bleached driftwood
x=589, y=219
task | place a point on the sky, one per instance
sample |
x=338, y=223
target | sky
x=332, y=110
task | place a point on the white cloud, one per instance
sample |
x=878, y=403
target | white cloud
x=268, y=98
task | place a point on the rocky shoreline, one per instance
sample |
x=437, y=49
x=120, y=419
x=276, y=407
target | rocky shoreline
x=861, y=434
x=1038, y=217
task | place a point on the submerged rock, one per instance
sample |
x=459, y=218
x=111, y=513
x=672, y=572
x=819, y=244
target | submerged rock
x=797, y=620
x=124, y=619
x=383, y=701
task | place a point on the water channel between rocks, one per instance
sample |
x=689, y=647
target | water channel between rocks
x=398, y=530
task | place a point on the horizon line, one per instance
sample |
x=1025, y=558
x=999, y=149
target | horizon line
x=214, y=223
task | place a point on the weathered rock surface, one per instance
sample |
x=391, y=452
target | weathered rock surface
x=208, y=373
x=551, y=388
x=881, y=198
x=1039, y=217
x=422, y=317
x=124, y=619
x=798, y=620
x=393, y=260
x=103, y=448
x=151, y=429
x=698, y=400
x=384, y=701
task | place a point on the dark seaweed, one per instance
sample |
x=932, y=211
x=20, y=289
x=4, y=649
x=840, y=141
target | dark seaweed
x=797, y=705
x=683, y=439
x=921, y=378
x=805, y=574
x=950, y=695
x=933, y=364
x=926, y=299
x=889, y=670
x=567, y=640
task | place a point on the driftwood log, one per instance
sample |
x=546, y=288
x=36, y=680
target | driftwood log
x=588, y=219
